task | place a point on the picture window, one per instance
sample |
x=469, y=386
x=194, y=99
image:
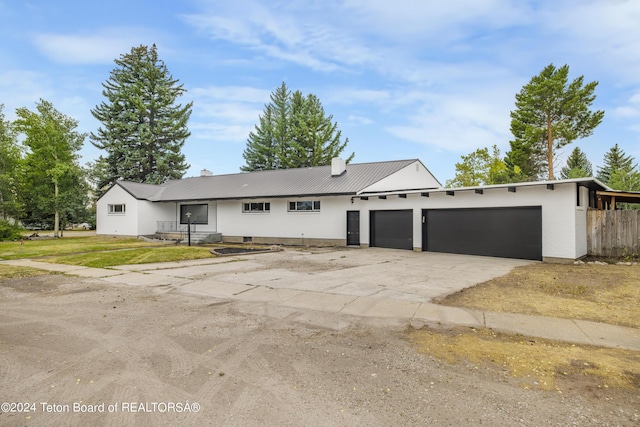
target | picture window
x=199, y=214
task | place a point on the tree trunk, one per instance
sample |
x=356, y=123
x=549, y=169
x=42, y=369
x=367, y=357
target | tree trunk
x=56, y=217
x=550, y=148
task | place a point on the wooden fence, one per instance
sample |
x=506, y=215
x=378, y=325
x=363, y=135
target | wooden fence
x=613, y=233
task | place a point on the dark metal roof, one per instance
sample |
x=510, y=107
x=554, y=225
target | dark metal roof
x=315, y=181
x=138, y=190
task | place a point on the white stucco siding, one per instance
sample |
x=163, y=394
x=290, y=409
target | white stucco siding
x=558, y=212
x=150, y=213
x=581, y=223
x=328, y=223
x=411, y=177
x=123, y=224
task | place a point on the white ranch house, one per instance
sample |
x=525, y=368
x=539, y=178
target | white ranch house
x=393, y=204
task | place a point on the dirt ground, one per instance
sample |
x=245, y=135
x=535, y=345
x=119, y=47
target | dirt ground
x=147, y=357
x=601, y=293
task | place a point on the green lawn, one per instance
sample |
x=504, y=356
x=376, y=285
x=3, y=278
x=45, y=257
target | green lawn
x=93, y=251
x=66, y=245
x=132, y=256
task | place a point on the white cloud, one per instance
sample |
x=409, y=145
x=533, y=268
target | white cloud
x=602, y=33
x=457, y=124
x=635, y=99
x=435, y=21
x=300, y=36
x=219, y=132
x=226, y=113
x=232, y=93
x=627, y=112
x=345, y=95
x=23, y=88
x=100, y=47
x=360, y=119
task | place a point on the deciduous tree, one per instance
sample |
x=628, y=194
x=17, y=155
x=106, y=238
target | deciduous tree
x=53, y=178
x=550, y=113
x=10, y=173
x=143, y=127
x=480, y=168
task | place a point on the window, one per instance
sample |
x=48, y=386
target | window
x=305, y=206
x=117, y=209
x=199, y=214
x=256, y=207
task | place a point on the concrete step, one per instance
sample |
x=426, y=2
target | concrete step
x=199, y=238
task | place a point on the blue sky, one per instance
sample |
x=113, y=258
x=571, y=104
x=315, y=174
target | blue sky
x=404, y=79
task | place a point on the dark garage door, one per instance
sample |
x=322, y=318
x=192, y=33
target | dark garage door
x=392, y=229
x=514, y=232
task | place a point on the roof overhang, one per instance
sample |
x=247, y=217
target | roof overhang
x=256, y=197
x=591, y=183
x=610, y=198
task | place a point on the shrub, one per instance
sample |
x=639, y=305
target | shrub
x=9, y=231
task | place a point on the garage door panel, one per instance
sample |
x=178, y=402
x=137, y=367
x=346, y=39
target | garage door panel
x=392, y=229
x=514, y=232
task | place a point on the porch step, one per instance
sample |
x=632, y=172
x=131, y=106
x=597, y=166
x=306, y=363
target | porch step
x=199, y=238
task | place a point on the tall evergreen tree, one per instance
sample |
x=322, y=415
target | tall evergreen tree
x=578, y=166
x=550, y=113
x=524, y=161
x=53, y=178
x=10, y=173
x=293, y=132
x=619, y=171
x=143, y=128
x=614, y=159
x=264, y=145
x=314, y=138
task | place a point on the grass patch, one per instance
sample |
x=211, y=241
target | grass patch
x=600, y=293
x=538, y=363
x=96, y=251
x=66, y=245
x=17, y=272
x=132, y=256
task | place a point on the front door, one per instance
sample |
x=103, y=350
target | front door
x=353, y=228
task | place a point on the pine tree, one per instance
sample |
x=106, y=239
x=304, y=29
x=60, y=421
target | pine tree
x=578, y=166
x=524, y=162
x=293, y=132
x=614, y=159
x=619, y=171
x=143, y=128
x=550, y=113
x=314, y=139
x=270, y=136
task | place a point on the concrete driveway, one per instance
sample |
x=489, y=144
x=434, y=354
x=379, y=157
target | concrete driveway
x=373, y=273
x=380, y=285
